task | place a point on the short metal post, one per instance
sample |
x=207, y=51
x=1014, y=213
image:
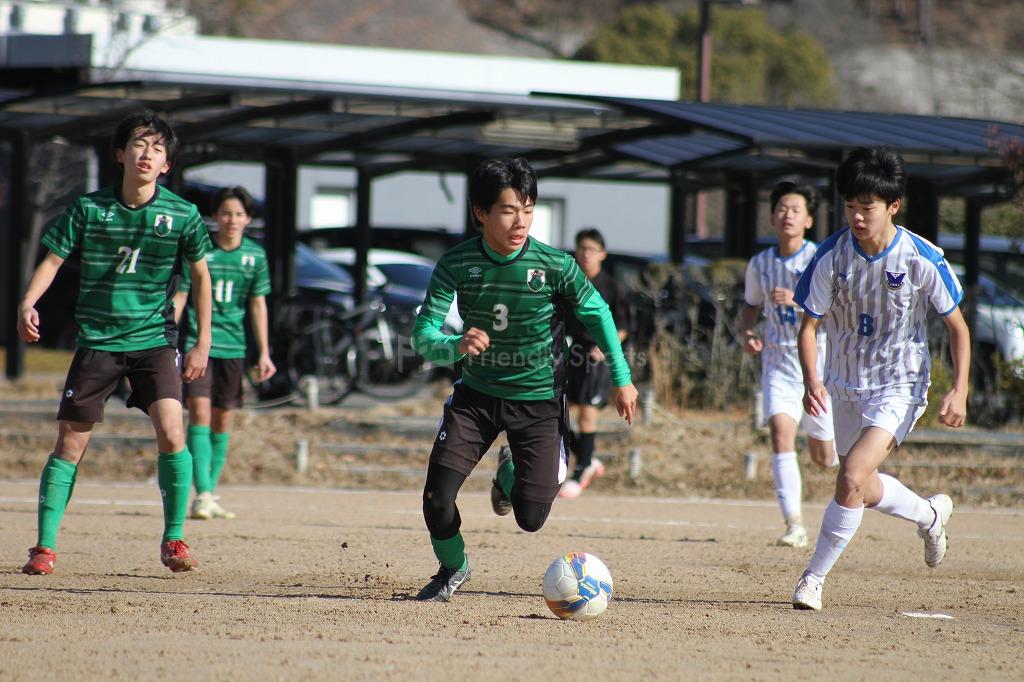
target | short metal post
x=301, y=455
x=635, y=464
x=758, y=409
x=750, y=464
x=647, y=406
x=312, y=390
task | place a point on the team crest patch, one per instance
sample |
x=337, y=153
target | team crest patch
x=162, y=225
x=535, y=280
x=894, y=280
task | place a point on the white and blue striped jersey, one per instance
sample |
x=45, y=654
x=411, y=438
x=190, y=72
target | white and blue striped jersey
x=766, y=271
x=877, y=310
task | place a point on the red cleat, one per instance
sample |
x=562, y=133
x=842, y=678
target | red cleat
x=40, y=561
x=174, y=555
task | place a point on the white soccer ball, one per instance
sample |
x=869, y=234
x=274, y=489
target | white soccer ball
x=577, y=586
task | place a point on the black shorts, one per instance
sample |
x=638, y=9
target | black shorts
x=222, y=383
x=536, y=431
x=588, y=381
x=153, y=374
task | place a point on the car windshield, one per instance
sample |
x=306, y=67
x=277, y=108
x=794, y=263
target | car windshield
x=412, y=275
x=311, y=266
x=994, y=295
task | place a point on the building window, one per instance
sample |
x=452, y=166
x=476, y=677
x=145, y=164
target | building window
x=549, y=222
x=331, y=207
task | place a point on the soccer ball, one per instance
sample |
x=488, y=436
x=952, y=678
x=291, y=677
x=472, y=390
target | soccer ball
x=577, y=586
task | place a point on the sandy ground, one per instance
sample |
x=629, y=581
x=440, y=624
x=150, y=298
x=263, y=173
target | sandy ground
x=315, y=583
x=314, y=579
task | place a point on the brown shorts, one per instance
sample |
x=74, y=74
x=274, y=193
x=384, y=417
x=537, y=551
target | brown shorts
x=536, y=431
x=153, y=374
x=222, y=383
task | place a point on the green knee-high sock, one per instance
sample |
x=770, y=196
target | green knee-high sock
x=506, y=477
x=199, y=444
x=451, y=552
x=174, y=475
x=219, y=440
x=55, y=486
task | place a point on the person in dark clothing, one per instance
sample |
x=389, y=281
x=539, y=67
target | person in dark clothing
x=587, y=377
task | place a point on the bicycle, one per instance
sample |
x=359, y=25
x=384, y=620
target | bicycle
x=345, y=350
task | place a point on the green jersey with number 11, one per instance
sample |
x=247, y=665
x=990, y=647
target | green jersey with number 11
x=520, y=300
x=236, y=276
x=130, y=257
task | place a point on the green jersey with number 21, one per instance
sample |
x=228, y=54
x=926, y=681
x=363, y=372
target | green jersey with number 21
x=130, y=257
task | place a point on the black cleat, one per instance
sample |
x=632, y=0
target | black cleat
x=443, y=585
x=500, y=502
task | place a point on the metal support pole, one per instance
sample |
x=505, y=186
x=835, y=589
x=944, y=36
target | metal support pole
x=19, y=216
x=364, y=236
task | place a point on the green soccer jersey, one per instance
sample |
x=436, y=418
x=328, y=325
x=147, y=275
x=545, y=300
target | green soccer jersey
x=237, y=275
x=130, y=257
x=520, y=301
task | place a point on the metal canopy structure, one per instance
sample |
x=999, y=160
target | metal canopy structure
x=746, y=149
x=379, y=131
x=374, y=131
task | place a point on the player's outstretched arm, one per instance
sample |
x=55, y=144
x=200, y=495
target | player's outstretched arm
x=625, y=398
x=42, y=278
x=752, y=343
x=202, y=301
x=815, y=395
x=953, y=409
x=265, y=367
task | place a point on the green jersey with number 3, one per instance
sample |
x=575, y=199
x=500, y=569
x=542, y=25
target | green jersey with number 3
x=520, y=301
x=236, y=276
x=130, y=259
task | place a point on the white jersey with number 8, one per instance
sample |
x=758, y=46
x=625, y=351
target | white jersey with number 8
x=875, y=312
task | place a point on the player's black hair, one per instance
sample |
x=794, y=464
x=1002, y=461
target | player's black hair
x=151, y=124
x=872, y=172
x=237, y=192
x=591, y=233
x=808, y=192
x=494, y=176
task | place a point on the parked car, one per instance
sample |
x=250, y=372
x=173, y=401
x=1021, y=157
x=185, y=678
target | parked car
x=431, y=243
x=998, y=319
x=402, y=278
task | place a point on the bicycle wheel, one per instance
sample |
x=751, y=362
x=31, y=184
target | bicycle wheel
x=386, y=366
x=318, y=352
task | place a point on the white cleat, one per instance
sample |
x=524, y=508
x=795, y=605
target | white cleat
x=218, y=511
x=795, y=536
x=202, y=507
x=807, y=596
x=935, y=536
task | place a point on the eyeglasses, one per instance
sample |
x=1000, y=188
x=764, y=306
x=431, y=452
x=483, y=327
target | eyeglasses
x=588, y=250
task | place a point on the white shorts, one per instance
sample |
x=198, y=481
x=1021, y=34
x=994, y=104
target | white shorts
x=894, y=413
x=782, y=396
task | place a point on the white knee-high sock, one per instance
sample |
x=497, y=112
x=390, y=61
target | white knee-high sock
x=788, y=487
x=837, y=529
x=900, y=501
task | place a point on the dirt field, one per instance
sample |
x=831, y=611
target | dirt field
x=314, y=579
x=315, y=584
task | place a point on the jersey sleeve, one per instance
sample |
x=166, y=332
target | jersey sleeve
x=814, y=291
x=427, y=338
x=261, y=283
x=65, y=234
x=195, y=239
x=585, y=301
x=753, y=295
x=941, y=284
x=185, y=282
